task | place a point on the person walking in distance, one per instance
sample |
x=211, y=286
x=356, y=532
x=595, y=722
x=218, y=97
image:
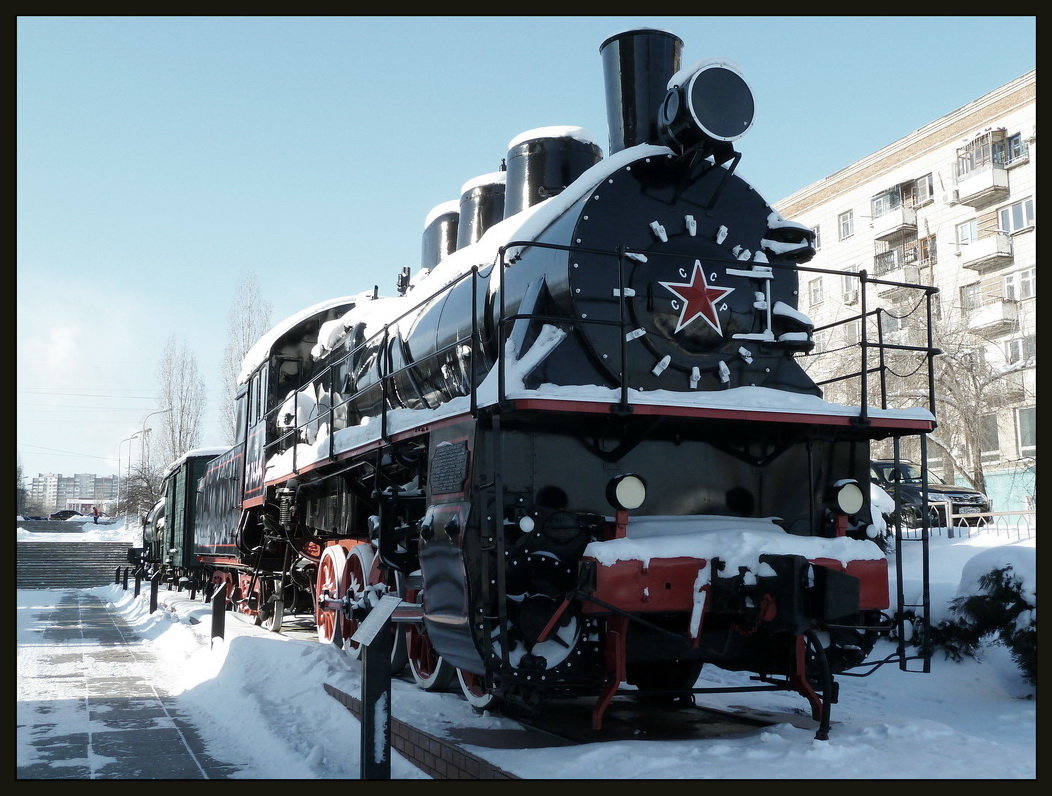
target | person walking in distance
x=95, y=514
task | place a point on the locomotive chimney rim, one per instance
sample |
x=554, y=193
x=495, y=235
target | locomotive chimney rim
x=637, y=65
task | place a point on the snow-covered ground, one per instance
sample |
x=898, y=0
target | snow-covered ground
x=970, y=720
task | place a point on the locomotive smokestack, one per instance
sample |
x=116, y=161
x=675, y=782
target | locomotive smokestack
x=440, y=233
x=481, y=206
x=637, y=65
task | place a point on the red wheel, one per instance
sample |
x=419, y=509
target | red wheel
x=221, y=579
x=250, y=595
x=430, y=671
x=257, y=603
x=332, y=578
x=356, y=577
x=380, y=574
x=473, y=686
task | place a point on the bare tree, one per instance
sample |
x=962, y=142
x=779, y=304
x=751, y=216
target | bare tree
x=20, y=489
x=969, y=387
x=143, y=489
x=247, y=321
x=182, y=389
x=970, y=382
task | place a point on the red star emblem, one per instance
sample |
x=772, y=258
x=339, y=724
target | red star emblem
x=698, y=299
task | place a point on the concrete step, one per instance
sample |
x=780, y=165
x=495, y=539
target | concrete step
x=69, y=565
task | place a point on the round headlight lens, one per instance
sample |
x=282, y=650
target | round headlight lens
x=849, y=498
x=627, y=492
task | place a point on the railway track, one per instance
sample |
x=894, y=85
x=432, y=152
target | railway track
x=566, y=722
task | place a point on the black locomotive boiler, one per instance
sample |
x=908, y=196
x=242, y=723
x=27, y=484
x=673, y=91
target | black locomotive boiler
x=579, y=438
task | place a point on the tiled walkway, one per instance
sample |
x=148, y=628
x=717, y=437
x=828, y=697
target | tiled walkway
x=90, y=671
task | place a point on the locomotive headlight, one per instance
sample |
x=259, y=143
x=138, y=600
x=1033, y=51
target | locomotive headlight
x=713, y=103
x=626, y=492
x=849, y=497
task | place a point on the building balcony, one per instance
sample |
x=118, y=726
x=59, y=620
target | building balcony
x=887, y=263
x=980, y=187
x=1015, y=386
x=986, y=254
x=895, y=223
x=997, y=317
x=910, y=274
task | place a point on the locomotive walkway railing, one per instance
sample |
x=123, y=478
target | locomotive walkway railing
x=381, y=375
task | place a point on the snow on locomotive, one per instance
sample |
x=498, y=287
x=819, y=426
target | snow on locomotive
x=579, y=438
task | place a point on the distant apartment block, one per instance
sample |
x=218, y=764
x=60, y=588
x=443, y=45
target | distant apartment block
x=54, y=491
x=952, y=205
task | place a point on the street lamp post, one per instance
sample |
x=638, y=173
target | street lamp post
x=143, y=432
x=128, y=439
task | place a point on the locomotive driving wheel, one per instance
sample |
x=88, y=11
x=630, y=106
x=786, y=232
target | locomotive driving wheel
x=356, y=578
x=473, y=687
x=430, y=671
x=331, y=578
x=392, y=579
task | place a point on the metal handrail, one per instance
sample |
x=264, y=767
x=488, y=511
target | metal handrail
x=504, y=320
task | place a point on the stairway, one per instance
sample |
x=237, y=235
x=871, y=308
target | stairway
x=69, y=565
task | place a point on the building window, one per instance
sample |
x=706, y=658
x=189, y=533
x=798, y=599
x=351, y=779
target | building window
x=814, y=291
x=926, y=250
x=818, y=237
x=849, y=282
x=1020, y=285
x=989, y=445
x=1012, y=149
x=1017, y=216
x=892, y=321
x=885, y=202
x=1027, y=283
x=925, y=189
x=1026, y=429
x=853, y=332
x=981, y=152
x=846, y=223
x=1020, y=348
x=971, y=297
x=967, y=232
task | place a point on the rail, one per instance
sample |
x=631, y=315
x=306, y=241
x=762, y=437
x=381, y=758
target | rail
x=1013, y=525
x=922, y=352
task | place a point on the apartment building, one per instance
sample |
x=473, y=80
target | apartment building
x=952, y=205
x=54, y=491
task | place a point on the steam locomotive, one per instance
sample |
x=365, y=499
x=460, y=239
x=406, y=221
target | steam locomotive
x=578, y=440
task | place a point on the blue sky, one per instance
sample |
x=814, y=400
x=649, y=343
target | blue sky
x=162, y=159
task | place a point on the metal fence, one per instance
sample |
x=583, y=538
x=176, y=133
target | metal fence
x=1011, y=525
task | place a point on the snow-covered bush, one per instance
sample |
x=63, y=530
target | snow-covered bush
x=996, y=603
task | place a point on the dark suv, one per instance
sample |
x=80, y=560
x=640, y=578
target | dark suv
x=963, y=499
x=65, y=514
